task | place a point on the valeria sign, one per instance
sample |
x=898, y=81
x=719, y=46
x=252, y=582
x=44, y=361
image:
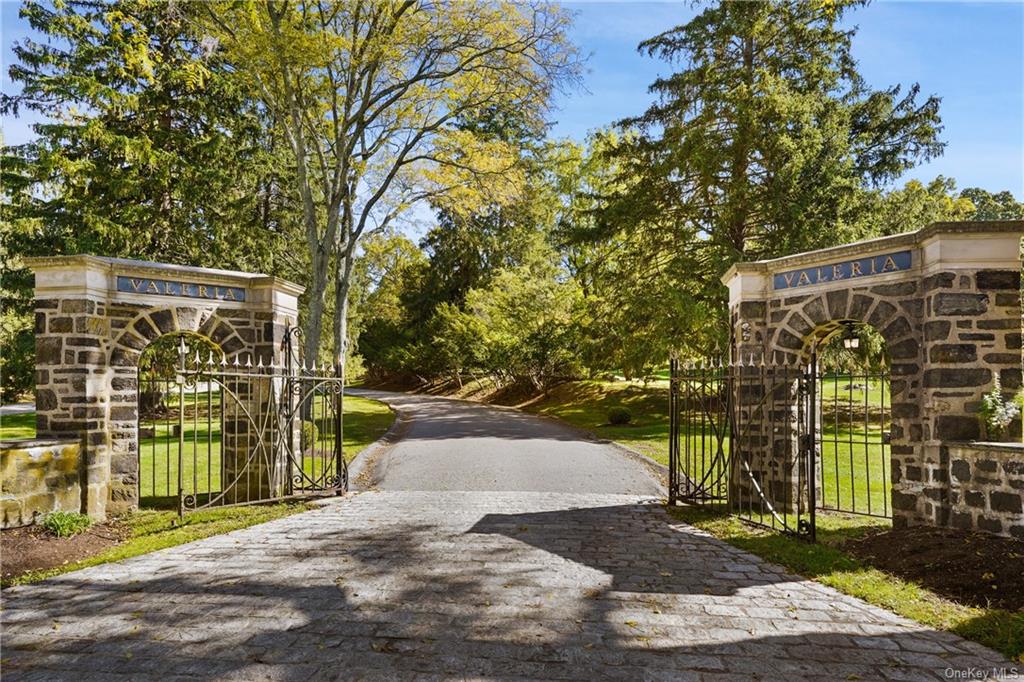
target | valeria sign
x=163, y=287
x=851, y=269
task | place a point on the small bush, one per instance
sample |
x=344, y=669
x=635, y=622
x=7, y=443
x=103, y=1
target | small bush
x=64, y=524
x=310, y=435
x=619, y=416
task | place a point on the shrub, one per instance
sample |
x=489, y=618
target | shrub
x=310, y=435
x=64, y=524
x=996, y=412
x=619, y=416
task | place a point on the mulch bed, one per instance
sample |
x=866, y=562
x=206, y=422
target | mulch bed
x=975, y=569
x=31, y=548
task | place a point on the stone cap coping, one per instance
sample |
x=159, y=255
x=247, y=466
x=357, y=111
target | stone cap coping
x=37, y=443
x=163, y=270
x=987, y=445
x=878, y=243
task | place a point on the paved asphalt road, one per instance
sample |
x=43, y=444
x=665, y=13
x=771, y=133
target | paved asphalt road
x=458, y=445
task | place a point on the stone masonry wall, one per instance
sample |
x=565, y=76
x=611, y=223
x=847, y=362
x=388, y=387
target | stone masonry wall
x=951, y=322
x=987, y=487
x=87, y=354
x=38, y=477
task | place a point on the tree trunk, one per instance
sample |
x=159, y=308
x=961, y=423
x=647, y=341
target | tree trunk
x=318, y=289
x=342, y=284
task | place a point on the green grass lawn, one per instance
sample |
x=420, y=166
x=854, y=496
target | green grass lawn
x=365, y=421
x=853, y=459
x=827, y=563
x=150, y=530
x=17, y=426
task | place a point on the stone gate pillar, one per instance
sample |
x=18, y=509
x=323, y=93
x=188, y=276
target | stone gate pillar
x=94, y=316
x=947, y=301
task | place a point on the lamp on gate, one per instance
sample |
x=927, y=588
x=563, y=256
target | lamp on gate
x=850, y=339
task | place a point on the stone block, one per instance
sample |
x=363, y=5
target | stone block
x=882, y=313
x=990, y=524
x=961, y=470
x=61, y=325
x=1008, y=300
x=904, y=350
x=837, y=303
x=753, y=310
x=859, y=306
x=897, y=289
x=962, y=520
x=941, y=280
x=77, y=305
x=1006, y=502
x=937, y=330
x=998, y=279
x=904, y=501
x=164, y=321
x=974, y=498
x=898, y=329
x=957, y=378
x=960, y=304
x=957, y=427
x=49, y=350
x=1011, y=378
x=954, y=353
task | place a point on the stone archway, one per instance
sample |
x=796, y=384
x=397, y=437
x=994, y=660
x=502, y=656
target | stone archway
x=94, y=317
x=947, y=301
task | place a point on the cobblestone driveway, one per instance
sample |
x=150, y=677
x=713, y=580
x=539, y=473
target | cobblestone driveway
x=444, y=585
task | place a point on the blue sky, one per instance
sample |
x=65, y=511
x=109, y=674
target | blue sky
x=971, y=54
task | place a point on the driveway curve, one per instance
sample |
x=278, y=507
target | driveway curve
x=446, y=444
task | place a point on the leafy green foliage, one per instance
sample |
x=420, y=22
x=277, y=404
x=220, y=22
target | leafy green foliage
x=996, y=411
x=64, y=524
x=618, y=416
x=152, y=147
x=310, y=435
x=765, y=134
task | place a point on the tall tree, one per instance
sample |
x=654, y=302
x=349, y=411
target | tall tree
x=150, y=148
x=761, y=144
x=368, y=94
x=989, y=206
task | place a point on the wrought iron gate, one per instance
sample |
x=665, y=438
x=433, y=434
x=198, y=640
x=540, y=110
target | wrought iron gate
x=219, y=433
x=774, y=444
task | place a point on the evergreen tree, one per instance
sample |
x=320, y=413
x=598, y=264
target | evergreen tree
x=150, y=148
x=762, y=144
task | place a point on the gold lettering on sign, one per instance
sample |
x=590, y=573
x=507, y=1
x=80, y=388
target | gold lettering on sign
x=890, y=264
x=804, y=279
x=152, y=288
x=186, y=289
x=136, y=283
x=202, y=291
x=229, y=294
x=837, y=272
x=789, y=278
x=855, y=269
x=874, y=269
x=168, y=288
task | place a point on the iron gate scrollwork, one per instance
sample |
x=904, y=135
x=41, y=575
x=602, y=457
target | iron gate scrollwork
x=774, y=444
x=221, y=433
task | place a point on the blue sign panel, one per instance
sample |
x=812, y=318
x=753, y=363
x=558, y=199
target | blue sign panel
x=851, y=269
x=162, y=287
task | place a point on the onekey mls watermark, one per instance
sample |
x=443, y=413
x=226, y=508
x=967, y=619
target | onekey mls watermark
x=993, y=673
